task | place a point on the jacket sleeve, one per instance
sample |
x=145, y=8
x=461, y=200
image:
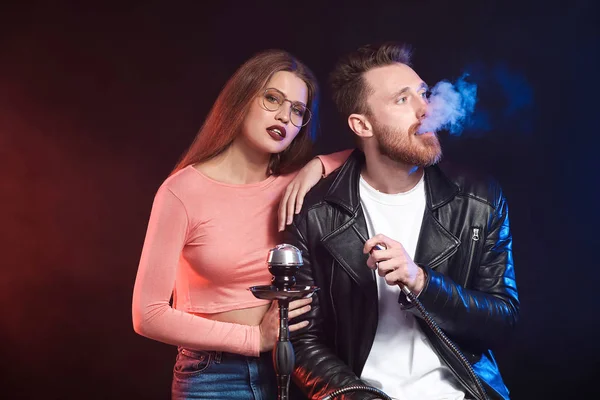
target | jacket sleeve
x=486, y=312
x=318, y=371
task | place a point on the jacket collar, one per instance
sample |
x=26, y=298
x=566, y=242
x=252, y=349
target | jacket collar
x=344, y=190
x=345, y=243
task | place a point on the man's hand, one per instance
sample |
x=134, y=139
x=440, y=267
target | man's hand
x=394, y=264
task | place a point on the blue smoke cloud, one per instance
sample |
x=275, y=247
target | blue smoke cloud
x=503, y=96
x=450, y=106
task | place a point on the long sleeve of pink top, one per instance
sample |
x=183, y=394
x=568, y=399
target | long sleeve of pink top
x=177, y=252
x=153, y=317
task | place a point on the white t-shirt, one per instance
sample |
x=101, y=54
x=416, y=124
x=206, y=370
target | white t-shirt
x=402, y=362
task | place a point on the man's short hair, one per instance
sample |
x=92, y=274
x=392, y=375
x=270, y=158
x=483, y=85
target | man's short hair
x=348, y=85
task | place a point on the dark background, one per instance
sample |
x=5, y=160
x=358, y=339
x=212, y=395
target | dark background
x=98, y=102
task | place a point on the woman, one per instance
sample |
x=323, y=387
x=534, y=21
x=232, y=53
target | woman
x=212, y=224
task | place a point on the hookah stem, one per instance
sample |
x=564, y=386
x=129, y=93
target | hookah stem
x=284, y=332
x=283, y=353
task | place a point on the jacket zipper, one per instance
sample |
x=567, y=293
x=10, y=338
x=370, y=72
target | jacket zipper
x=470, y=261
x=475, y=237
x=335, y=323
x=472, y=253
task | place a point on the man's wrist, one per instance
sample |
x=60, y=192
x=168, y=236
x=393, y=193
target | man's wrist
x=422, y=279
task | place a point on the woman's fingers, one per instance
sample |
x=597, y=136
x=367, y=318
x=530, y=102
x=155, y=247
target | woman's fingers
x=299, y=303
x=299, y=307
x=291, y=202
x=297, y=326
x=283, y=207
x=298, y=311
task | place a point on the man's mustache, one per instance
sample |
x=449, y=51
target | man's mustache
x=414, y=128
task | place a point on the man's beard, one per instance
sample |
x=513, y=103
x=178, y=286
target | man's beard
x=397, y=145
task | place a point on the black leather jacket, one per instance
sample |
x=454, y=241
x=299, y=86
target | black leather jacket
x=470, y=291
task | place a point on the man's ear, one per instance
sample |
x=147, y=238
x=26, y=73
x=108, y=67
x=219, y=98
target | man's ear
x=360, y=125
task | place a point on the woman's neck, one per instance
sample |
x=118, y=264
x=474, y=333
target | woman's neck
x=237, y=165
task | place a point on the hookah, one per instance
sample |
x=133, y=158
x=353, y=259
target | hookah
x=283, y=262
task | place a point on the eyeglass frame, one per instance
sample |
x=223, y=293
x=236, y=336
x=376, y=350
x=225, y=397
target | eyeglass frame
x=292, y=103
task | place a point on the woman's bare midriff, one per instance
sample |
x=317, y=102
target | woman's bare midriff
x=246, y=316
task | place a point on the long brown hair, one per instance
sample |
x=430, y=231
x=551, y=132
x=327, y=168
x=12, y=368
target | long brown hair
x=225, y=119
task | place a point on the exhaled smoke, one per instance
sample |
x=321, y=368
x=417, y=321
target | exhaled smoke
x=450, y=106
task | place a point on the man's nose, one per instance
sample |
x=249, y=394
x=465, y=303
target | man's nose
x=421, y=108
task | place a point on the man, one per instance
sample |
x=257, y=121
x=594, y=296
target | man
x=446, y=237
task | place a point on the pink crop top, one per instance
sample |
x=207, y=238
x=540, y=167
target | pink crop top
x=206, y=243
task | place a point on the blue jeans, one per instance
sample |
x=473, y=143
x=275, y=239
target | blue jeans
x=223, y=376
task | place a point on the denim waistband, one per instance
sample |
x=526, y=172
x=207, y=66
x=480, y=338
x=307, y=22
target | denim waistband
x=222, y=355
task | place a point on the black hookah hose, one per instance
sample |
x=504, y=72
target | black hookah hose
x=357, y=388
x=438, y=332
